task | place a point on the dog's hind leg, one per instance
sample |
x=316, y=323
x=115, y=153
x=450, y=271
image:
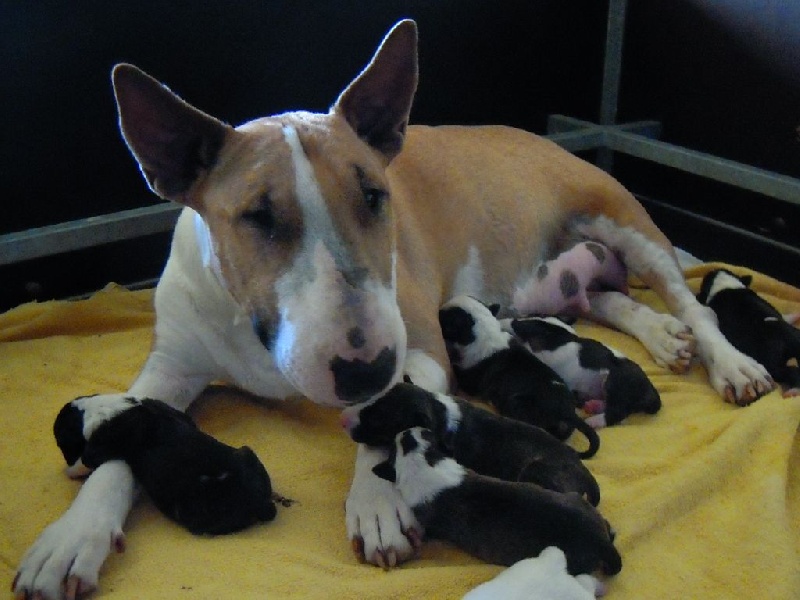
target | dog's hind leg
x=735, y=376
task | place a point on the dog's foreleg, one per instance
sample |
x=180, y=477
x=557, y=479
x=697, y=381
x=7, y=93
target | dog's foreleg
x=380, y=525
x=66, y=558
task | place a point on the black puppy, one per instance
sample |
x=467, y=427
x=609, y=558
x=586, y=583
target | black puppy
x=487, y=443
x=199, y=482
x=754, y=327
x=498, y=521
x=491, y=364
x=592, y=370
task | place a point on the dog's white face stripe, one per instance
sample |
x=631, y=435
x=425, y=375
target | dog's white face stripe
x=487, y=330
x=724, y=281
x=99, y=409
x=323, y=315
x=420, y=482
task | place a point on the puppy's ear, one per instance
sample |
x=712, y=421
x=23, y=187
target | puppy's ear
x=385, y=470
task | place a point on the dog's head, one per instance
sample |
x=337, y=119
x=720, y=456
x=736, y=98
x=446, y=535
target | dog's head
x=406, y=405
x=418, y=468
x=471, y=331
x=296, y=211
x=718, y=280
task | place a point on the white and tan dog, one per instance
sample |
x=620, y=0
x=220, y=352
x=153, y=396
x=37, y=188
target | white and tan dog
x=313, y=256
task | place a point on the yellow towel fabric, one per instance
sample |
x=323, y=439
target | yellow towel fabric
x=705, y=496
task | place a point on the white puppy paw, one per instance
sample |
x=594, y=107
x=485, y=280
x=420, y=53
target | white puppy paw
x=380, y=526
x=65, y=560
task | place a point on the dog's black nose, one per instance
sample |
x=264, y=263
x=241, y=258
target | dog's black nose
x=357, y=380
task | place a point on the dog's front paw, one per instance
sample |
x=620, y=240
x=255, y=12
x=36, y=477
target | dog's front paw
x=380, y=525
x=65, y=560
x=736, y=377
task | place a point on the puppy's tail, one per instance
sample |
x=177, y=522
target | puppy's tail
x=591, y=435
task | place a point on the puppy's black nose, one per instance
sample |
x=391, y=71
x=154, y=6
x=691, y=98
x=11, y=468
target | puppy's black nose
x=357, y=380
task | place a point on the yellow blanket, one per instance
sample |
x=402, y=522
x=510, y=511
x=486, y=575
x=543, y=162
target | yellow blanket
x=705, y=496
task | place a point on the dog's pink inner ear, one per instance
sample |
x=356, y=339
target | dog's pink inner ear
x=377, y=104
x=174, y=143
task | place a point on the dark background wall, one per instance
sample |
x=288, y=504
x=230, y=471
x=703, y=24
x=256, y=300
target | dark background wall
x=481, y=61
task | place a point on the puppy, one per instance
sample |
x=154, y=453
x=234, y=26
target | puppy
x=199, y=482
x=753, y=326
x=560, y=286
x=489, y=363
x=590, y=369
x=482, y=441
x=497, y=521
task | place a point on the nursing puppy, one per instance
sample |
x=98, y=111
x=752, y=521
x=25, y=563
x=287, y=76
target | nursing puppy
x=592, y=370
x=491, y=364
x=497, y=521
x=561, y=285
x=754, y=326
x=479, y=440
x=197, y=481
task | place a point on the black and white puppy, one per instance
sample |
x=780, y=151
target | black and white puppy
x=592, y=370
x=754, y=326
x=199, y=482
x=497, y=521
x=491, y=364
x=480, y=440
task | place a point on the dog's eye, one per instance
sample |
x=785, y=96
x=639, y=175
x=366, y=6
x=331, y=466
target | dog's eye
x=262, y=218
x=374, y=198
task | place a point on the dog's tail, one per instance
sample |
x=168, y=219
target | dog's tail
x=591, y=435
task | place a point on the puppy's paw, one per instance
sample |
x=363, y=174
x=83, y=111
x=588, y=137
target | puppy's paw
x=736, y=377
x=381, y=527
x=669, y=341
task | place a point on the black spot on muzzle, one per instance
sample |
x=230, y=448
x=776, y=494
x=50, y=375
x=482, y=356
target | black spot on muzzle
x=357, y=380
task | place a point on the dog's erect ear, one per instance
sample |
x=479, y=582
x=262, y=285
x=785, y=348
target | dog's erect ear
x=385, y=470
x=377, y=103
x=174, y=143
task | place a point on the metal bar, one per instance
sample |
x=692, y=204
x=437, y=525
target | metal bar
x=713, y=167
x=576, y=141
x=612, y=62
x=85, y=233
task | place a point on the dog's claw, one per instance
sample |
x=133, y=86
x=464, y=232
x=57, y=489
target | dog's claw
x=415, y=538
x=357, y=544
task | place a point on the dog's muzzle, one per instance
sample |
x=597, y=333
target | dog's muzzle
x=357, y=380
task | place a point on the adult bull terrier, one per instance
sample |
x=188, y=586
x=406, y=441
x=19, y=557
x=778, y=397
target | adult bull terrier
x=313, y=256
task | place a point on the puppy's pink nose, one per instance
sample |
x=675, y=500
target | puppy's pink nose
x=346, y=421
